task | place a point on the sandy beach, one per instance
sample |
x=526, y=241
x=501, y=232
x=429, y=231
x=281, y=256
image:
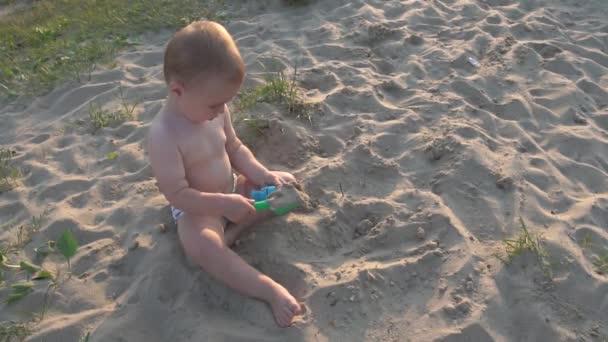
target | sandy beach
x=432, y=127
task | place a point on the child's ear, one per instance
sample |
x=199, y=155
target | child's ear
x=176, y=88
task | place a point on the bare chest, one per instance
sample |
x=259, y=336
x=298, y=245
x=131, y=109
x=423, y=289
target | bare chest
x=202, y=143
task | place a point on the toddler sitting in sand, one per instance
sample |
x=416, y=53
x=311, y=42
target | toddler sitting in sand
x=193, y=150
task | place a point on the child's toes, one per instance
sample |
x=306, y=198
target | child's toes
x=284, y=319
x=295, y=308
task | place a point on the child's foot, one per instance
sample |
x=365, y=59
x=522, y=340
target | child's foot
x=284, y=306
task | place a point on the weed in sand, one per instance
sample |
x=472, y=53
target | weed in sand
x=601, y=263
x=14, y=331
x=86, y=337
x=127, y=108
x=46, y=42
x=586, y=241
x=25, y=233
x=526, y=241
x=9, y=174
x=101, y=118
x=279, y=89
x=67, y=246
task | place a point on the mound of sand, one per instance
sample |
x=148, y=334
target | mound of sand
x=419, y=161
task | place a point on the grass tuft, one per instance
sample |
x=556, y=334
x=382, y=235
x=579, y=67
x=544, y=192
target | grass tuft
x=9, y=174
x=14, y=331
x=526, y=241
x=601, y=263
x=25, y=233
x=278, y=89
x=101, y=118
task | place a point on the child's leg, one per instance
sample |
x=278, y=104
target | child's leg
x=203, y=242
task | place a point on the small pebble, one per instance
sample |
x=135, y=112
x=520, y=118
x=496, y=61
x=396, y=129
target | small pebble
x=134, y=245
x=438, y=253
x=469, y=286
x=163, y=228
x=432, y=244
x=579, y=119
x=420, y=233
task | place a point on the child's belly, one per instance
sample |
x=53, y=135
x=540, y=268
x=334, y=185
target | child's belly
x=211, y=175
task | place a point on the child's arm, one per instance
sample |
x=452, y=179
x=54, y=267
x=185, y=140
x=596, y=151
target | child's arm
x=241, y=157
x=168, y=168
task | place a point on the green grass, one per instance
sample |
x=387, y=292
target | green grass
x=601, y=260
x=100, y=118
x=25, y=233
x=278, y=89
x=67, y=246
x=9, y=173
x=52, y=41
x=601, y=263
x=525, y=241
x=14, y=331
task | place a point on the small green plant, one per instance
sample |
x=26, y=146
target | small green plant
x=111, y=155
x=279, y=89
x=101, y=118
x=601, y=263
x=526, y=241
x=127, y=108
x=86, y=337
x=40, y=220
x=67, y=246
x=19, y=291
x=8, y=172
x=14, y=331
x=25, y=233
x=586, y=241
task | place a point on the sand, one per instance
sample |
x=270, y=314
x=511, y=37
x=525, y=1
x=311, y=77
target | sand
x=419, y=162
x=288, y=196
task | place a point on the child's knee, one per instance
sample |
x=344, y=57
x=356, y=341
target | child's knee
x=198, y=238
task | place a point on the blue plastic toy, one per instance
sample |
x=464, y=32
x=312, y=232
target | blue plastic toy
x=262, y=194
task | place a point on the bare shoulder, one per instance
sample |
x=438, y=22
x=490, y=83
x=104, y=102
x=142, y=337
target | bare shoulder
x=160, y=132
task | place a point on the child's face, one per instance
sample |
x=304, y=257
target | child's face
x=204, y=100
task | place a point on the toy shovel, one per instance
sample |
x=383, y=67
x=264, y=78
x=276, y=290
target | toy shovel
x=282, y=200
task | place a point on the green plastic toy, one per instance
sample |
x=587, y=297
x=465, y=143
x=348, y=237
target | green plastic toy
x=283, y=200
x=266, y=205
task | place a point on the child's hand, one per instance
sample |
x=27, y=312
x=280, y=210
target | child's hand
x=278, y=178
x=238, y=208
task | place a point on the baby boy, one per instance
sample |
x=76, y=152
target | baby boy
x=194, y=152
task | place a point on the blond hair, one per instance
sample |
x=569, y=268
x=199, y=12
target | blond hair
x=203, y=47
